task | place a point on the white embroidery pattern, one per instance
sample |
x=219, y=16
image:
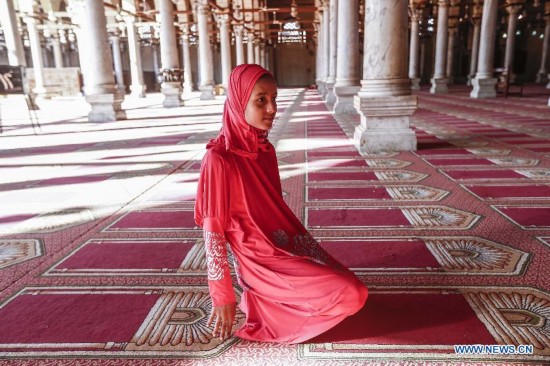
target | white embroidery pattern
x=216, y=256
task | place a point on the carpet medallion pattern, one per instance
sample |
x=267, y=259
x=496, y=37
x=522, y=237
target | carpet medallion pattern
x=101, y=262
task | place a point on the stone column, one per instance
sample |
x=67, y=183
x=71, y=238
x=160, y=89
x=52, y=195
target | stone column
x=117, y=62
x=330, y=98
x=326, y=46
x=99, y=83
x=57, y=53
x=225, y=48
x=542, y=74
x=206, y=62
x=415, y=13
x=453, y=31
x=187, y=74
x=439, y=80
x=347, y=82
x=512, y=7
x=321, y=76
x=239, y=47
x=262, y=55
x=257, y=51
x=134, y=50
x=250, y=48
x=156, y=63
x=36, y=51
x=14, y=45
x=170, y=68
x=484, y=82
x=385, y=101
x=319, y=57
x=476, y=22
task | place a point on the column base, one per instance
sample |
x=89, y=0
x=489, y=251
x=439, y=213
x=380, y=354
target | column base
x=344, y=99
x=172, y=94
x=137, y=90
x=483, y=88
x=385, y=123
x=320, y=87
x=187, y=88
x=470, y=78
x=207, y=92
x=105, y=107
x=439, y=86
x=415, y=84
x=542, y=77
x=330, y=97
x=369, y=141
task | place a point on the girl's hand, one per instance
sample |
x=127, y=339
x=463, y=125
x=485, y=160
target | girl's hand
x=223, y=318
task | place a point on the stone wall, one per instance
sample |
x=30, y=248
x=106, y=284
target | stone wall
x=58, y=81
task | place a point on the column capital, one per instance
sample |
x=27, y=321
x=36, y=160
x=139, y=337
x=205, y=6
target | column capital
x=513, y=6
x=477, y=10
x=443, y=3
x=238, y=29
x=222, y=18
x=129, y=19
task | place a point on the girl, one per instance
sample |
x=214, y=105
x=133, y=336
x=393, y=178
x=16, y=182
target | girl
x=293, y=290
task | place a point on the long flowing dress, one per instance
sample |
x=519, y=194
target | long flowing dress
x=293, y=290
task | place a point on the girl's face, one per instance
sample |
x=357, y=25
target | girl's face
x=262, y=105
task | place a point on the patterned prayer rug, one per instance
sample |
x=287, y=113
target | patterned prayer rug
x=101, y=261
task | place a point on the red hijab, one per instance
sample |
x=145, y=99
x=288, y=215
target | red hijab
x=236, y=134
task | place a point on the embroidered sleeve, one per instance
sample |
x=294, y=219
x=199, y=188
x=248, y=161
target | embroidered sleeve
x=216, y=255
x=219, y=276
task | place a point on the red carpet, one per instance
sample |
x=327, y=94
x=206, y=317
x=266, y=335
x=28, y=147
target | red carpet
x=102, y=263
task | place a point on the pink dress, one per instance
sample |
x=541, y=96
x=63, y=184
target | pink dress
x=293, y=290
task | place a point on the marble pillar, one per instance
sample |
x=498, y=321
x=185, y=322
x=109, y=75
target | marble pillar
x=321, y=69
x=14, y=45
x=326, y=47
x=257, y=51
x=512, y=7
x=206, y=61
x=415, y=13
x=453, y=32
x=543, y=72
x=476, y=23
x=57, y=53
x=137, y=86
x=439, y=80
x=117, y=62
x=225, y=48
x=187, y=72
x=484, y=82
x=36, y=52
x=156, y=64
x=385, y=101
x=99, y=82
x=250, y=48
x=330, y=97
x=239, y=47
x=319, y=58
x=348, y=76
x=170, y=68
x=262, y=55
